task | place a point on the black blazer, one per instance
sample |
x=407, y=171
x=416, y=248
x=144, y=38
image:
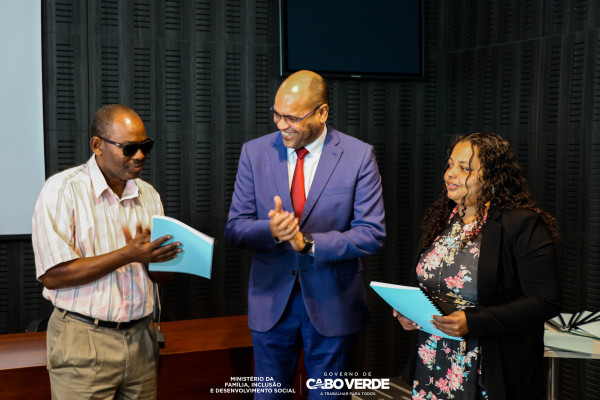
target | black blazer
x=517, y=289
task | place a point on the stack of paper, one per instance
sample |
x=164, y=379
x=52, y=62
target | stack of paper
x=579, y=332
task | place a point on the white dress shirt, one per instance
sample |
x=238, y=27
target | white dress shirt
x=311, y=160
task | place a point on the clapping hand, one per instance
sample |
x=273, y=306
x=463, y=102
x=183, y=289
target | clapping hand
x=283, y=224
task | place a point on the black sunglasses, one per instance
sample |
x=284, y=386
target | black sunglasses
x=130, y=149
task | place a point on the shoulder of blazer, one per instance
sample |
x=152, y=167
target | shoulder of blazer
x=268, y=140
x=511, y=218
x=344, y=140
x=514, y=217
x=503, y=225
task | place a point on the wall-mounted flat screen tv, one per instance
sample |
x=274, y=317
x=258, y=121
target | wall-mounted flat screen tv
x=352, y=38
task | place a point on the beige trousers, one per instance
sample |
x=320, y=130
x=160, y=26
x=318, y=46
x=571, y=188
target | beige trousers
x=90, y=362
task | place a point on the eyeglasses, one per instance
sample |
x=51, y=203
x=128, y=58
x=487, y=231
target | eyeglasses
x=291, y=119
x=130, y=149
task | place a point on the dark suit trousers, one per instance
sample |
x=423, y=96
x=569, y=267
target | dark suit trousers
x=276, y=352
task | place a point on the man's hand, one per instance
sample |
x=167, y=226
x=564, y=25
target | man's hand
x=454, y=324
x=140, y=249
x=283, y=225
x=84, y=270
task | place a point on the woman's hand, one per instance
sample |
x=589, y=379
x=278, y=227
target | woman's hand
x=454, y=324
x=406, y=323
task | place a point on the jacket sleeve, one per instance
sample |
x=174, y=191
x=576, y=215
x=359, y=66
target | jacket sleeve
x=243, y=228
x=528, y=247
x=367, y=228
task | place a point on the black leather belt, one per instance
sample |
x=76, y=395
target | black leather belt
x=104, y=324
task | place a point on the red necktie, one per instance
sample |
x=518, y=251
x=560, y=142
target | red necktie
x=297, y=191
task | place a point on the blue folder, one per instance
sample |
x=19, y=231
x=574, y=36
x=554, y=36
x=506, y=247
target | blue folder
x=411, y=302
x=197, y=248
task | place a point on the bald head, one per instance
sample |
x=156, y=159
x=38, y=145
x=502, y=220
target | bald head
x=301, y=108
x=105, y=116
x=304, y=88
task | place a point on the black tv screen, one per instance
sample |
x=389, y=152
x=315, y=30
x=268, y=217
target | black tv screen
x=352, y=38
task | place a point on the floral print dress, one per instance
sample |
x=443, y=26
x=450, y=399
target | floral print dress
x=445, y=368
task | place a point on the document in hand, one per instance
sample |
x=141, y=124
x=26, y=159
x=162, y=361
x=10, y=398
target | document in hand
x=197, y=248
x=413, y=303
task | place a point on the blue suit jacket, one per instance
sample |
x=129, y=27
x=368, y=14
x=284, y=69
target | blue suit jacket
x=343, y=213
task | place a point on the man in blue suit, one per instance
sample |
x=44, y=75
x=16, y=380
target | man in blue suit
x=308, y=201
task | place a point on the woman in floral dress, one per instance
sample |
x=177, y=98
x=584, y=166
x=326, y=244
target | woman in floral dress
x=488, y=249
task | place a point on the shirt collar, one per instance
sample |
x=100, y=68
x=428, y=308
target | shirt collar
x=100, y=185
x=314, y=147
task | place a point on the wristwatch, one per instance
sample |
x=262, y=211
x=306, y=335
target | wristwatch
x=309, y=243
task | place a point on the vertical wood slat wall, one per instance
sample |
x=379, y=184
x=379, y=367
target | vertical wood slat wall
x=202, y=75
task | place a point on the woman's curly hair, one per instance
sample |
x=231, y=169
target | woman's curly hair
x=503, y=186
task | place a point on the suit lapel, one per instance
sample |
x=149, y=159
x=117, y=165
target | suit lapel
x=330, y=156
x=279, y=164
x=489, y=258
